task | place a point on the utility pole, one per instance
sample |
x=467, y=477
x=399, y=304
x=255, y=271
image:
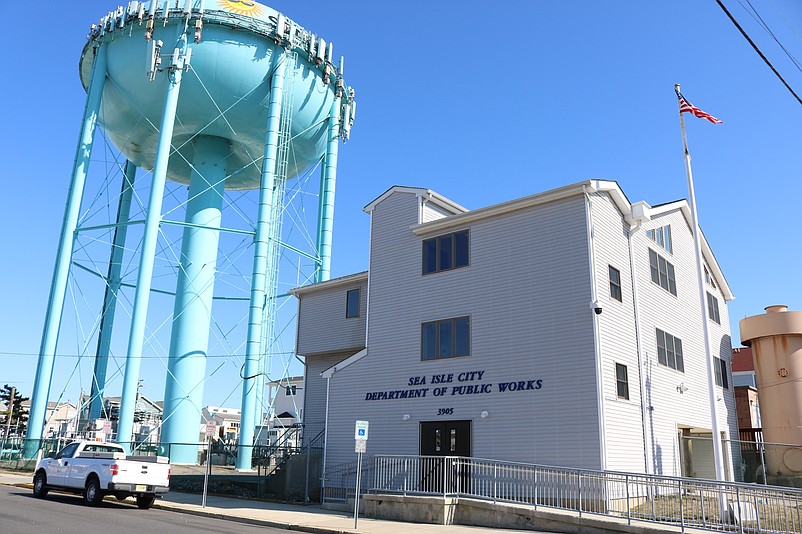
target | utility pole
x=10, y=411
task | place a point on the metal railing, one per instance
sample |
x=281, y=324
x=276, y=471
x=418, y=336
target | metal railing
x=681, y=502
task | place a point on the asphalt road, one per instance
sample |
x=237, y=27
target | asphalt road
x=22, y=513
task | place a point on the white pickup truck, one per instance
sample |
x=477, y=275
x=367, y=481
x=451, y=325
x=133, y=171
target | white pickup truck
x=97, y=469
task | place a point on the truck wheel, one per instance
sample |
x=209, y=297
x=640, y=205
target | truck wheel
x=145, y=501
x=40, y=485
x=93, y=495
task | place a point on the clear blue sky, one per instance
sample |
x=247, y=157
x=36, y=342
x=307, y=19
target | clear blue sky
x=481, y=102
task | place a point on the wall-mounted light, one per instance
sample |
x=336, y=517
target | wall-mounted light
x=405, y=417
x=484, y=414
x=682, y=388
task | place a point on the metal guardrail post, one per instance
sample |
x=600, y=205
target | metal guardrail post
x=495, y=483
x=445, y=476
x=704, y=513
x=406, y=476
x=534, y=491
x=757, y=514
x=798, y=522
x=740, y=511
x=629, y=513
x=681, y=509
x=579, y=491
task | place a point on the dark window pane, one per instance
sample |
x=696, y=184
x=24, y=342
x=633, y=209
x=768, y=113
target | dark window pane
x=663, y=272
x=725, y=383
x=667, y=244
x=615, y=283
x=438, y=440
x=622, y=381
x=429, y=341
x=429, y=256
x=445, y=338
x=462, y=342
x=453, y=440
x=678, y=349
x=445, y=244
x=352, y=303
x=461, y=249
x=661, y=347
x=671, y=359
x=653, y=266
x=672, y=284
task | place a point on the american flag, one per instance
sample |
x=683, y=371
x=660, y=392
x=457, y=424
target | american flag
x=685, y=106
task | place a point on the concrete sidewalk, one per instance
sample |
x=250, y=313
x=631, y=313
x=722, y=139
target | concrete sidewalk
x=302, y=518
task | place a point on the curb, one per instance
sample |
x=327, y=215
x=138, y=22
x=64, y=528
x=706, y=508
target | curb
x=252, y=520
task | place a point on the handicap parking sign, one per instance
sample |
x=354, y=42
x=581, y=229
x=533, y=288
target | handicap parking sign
x=361, y=431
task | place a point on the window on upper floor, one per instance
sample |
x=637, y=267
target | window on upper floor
x=662, y=272
x=709, y=278
x=722, y=380
x=661, y=236
x=446, y=252
x=669, y=351
x=712, y=308
x=446, y=338
x=352, y=303
x=615, y=283
x=290, y=390
x=621, y=381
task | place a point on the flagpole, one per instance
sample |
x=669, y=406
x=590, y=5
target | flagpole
x=697, y=241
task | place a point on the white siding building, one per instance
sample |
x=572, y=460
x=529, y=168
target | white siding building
x=562, y=328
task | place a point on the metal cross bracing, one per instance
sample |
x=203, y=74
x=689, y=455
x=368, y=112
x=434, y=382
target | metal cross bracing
x=90, y=263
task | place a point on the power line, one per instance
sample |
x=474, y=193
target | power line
x=754, y=46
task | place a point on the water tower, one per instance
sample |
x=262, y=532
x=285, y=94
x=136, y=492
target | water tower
x=221, y=96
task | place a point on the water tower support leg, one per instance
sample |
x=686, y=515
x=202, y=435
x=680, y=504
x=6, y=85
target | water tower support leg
x=136, y=338
x=192, y=313
x=113, y=281
x=328, y=182
x=258, y=280
x=58, y=287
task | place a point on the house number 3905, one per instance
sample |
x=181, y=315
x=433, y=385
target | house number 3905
x=445, y=411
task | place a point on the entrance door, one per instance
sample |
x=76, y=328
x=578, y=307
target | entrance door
x=444, y=438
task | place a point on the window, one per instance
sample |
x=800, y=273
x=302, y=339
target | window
x=662, y=272
x=446, y=338
x=290, y=390
x=669, y=351
x=661, y=236
x=615, y=283
x=352, y=303
x=712, y=308
x=709, y=278
x=721, y=374
x=445, y=252
x=621, y=381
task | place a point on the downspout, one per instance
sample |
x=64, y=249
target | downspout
x=639, y=347
x=594, y=303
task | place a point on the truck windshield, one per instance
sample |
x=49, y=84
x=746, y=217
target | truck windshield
x=68, y=451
